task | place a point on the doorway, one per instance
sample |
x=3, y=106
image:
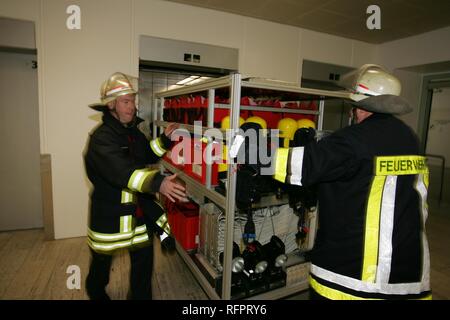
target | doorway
x=325, y=76
x=20, y=199
x=156, y=76
x=437, y=148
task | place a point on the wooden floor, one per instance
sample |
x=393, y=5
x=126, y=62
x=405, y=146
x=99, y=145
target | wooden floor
x=31, y=268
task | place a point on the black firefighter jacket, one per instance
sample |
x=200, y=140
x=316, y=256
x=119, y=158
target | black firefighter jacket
x=116, y=163
x=372, y=188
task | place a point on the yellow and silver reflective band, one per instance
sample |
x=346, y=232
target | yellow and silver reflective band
x=331, y=293
x=334, y=294
x=387, y=228
x=400, y=165
x=368, y=287
x=112, y=237
x=295, y=166
x=111, y=246
x=421, y=186
x=163, y=236
x=128, y=236
x=163, y=223
x=372, y=229
x=138, y=177
x=380, y=212
x=126, y=224
x=128, y=196
x=281, y=160
x=289, y=165
x=157, y=147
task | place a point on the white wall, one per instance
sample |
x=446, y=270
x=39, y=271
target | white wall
x=75, y=62
x=427, y=48
x=17, y=34
x=327, y=48
x=411, y=91
x=422, y=49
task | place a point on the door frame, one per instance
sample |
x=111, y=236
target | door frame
x=429, y=82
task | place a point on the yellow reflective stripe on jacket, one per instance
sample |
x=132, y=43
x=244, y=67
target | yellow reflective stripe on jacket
x=111, y=246
x=421, y=186
x=128, y=196
x=157, y=147
x=111, y=237
x=295, y=166
x=281, y=162
x=400, y=165
x=331, y=293
x=138, y=177
x=372, y=229
x=399, y=289
x=289, y=165
x=127, y=231
x=163, y=223
x=128, y=236
x=334, y=294
x=126, y=224
x=377, y=258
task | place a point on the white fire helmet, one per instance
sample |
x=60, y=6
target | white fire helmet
x=374, y=89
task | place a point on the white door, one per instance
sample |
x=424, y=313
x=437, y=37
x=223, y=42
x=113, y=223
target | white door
x=20, y=191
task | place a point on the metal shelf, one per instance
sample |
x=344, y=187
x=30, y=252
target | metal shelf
x=280, y=86
x=196, y=186
x=269, y=109
x=202, y=86
x=234, y=83
x=210, y=291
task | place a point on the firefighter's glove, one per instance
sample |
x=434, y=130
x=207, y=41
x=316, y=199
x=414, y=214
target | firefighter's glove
x=244, y=148
x=303, y=136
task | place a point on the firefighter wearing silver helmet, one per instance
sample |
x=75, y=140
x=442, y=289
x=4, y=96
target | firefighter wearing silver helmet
x=372, y=193
x=124, y=212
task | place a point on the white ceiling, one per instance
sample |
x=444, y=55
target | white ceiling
x=345, y=18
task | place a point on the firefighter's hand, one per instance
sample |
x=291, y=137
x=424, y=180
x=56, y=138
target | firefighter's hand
x=172, y=189
x=171, y=128
x=303, y=136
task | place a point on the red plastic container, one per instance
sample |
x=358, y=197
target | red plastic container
x=197, y=168
x=184, y=223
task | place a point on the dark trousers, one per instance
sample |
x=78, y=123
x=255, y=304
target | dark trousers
x=140, y=274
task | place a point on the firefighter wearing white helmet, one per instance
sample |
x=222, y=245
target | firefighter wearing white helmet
x=374, y=89
x=372, y=191
x=124, y=212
